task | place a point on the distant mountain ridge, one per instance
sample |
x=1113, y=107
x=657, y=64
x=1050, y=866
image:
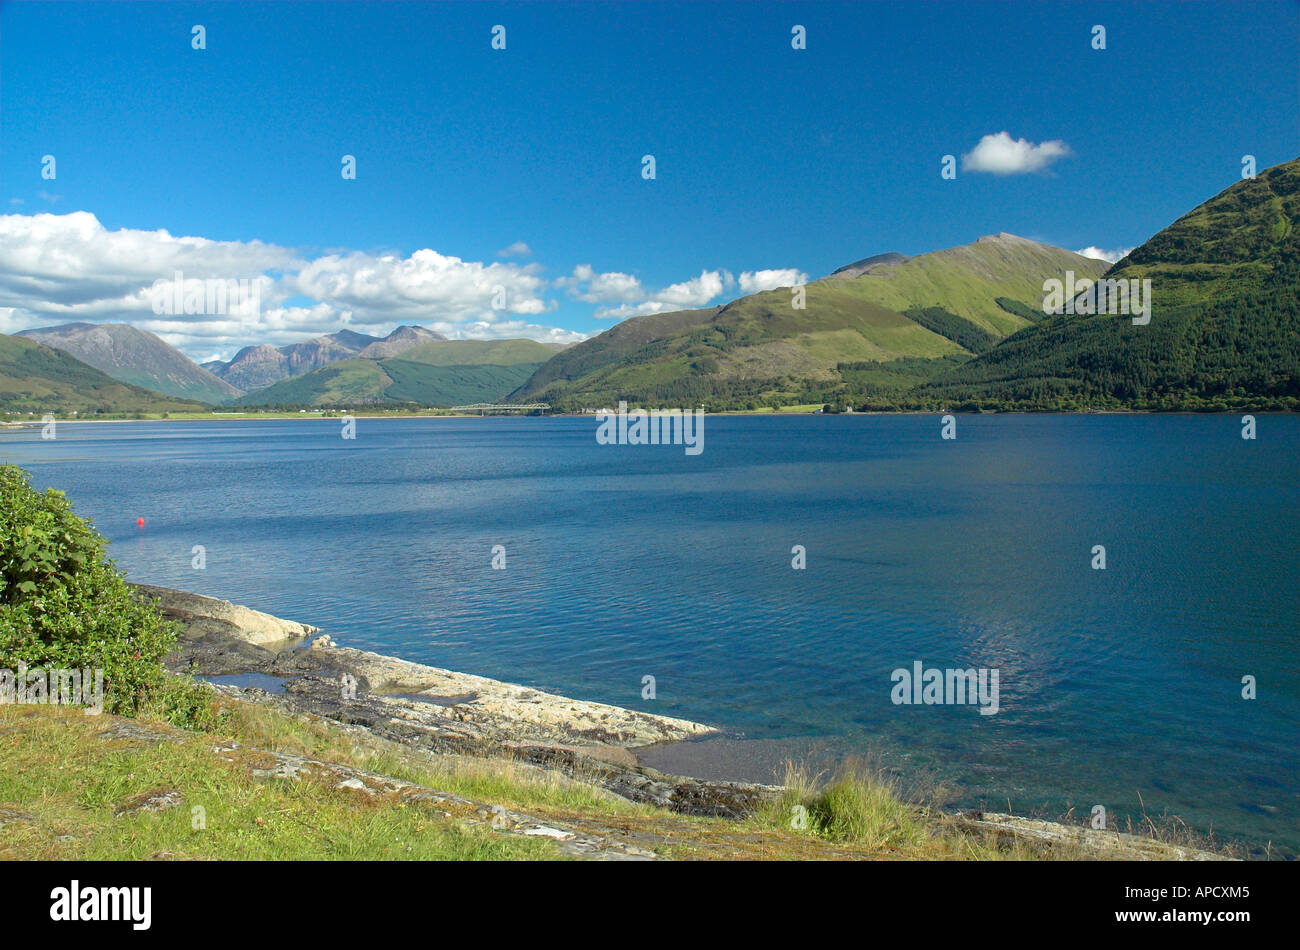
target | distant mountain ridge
x=135, y=356
x=437, y=373
x=401, y=339
x=858, y=268
x=37, y=378
x=257, y=367
x=960, y=328
x=889, y=316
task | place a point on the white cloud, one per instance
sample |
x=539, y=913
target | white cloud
x=609, y=287
x=1000, y=154
x=697, y=291
x=623, y=295
x=64, y=268
x=754, y=281
x=518, y=249
x=506, y=330
x=1097, y=254
x=60, y=268
x=686, y=295
x=420, y=288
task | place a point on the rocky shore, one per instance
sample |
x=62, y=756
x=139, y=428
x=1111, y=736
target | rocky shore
x=293, y=666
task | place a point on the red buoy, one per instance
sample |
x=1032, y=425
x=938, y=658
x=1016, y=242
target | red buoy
x=140, y=522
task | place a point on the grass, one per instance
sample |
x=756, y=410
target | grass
x=442, y=384
x=480, y=353
x=68, y=783
x=863, y=805
x=339, y=383
x=967, y=280
x=67, y=778
x=856, y=805
x=504, y=782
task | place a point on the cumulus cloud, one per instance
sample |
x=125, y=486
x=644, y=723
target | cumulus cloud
x=754, y=281
x=685, y=295
x=63, y=268
x=518, y=249
x=589, y=286
x=1000, y=154
x=1097, y=254
x=623, y=295
x=697, y=291
x=60, y=268
x=422, y=287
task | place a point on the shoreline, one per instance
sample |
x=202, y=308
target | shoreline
x=253, y=656
x=335, y=415
x=437, y=709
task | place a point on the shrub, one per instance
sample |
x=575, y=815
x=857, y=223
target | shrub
x=64, y=604
x=860, y=804
x=188, y=704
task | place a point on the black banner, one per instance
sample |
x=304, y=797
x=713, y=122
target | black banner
x=907, y=899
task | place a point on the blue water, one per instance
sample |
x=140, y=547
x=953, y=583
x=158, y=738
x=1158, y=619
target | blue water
x=628, y=561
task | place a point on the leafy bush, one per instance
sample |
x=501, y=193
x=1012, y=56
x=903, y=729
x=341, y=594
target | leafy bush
x=63, y=604
x=188, y=704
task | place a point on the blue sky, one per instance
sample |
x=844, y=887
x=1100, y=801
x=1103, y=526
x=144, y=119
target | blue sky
x=767, y=158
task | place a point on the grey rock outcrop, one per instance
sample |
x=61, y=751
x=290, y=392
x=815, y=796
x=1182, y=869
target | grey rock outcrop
x=441, y=710
x=208, y=616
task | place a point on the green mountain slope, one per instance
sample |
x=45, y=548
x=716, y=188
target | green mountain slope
x=37, y=378
x=443, y=373
x=1224, y=330
x=932, y=311
x=354, y=382
x=1229, y=245
x=968, y=280
x=617, y=343
x=135, y=356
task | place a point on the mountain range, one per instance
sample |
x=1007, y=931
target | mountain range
x=964, y=328
x=37, y=378
x=968, y=328
x=919, y=316
x=137, y=357
x=439, y=373
x=257, y=367
x=1224, y=329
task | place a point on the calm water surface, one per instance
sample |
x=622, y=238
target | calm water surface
x=627, y=561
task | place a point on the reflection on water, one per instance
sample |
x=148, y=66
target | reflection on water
x=628, y=561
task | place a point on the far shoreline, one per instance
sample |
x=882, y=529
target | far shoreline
x=15, y=424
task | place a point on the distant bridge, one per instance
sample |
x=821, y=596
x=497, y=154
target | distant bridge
x=518, y=407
